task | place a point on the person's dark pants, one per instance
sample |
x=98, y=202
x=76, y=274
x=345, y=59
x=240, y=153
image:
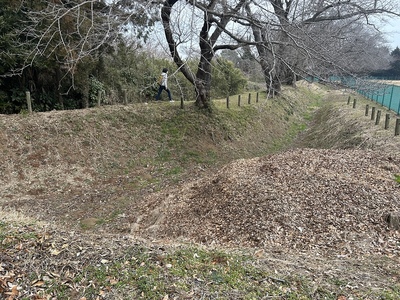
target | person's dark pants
x=160, y=89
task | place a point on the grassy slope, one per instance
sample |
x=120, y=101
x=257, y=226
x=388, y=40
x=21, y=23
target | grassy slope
x=121, y=153
x=62, y=160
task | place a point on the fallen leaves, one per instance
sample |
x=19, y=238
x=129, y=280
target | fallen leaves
x=13, y=293
x=329, y=201
x=325, y=201
x=33, y=263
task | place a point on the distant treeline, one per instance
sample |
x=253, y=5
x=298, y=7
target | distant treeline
x=393, y=73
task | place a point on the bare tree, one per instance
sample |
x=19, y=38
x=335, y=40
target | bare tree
x=216, y=16
x=316, y=37
x=79, y=29
x=292, y=37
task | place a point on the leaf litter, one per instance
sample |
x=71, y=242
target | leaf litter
x=321, y=213
x=327, y=201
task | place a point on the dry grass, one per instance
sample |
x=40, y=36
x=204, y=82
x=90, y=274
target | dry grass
x=127, y=195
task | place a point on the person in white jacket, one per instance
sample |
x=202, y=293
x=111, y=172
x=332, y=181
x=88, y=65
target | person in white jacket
x=163, y=85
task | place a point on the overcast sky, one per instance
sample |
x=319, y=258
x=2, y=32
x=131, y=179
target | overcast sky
x=393, y=33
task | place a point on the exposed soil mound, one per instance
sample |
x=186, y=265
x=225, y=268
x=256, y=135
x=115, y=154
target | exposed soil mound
x=326, y=200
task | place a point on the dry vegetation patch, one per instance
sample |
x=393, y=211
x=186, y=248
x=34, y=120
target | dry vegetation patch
x=330, y=201
x=129, y=185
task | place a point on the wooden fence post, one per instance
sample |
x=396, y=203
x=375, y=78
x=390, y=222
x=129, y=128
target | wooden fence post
x=227, y=102
x=125, y=97
x=348, y=100
x=378, y=117
x=98, y=98
x=354, y=102
x=28, y=101
x=111, y=97
x=373, y=113
x=257, y=98
x=387, y=120
x=366, y=109
x=397, y=128
x=249, y=99
x=181, y=102
x=393, y=221
x=239, y=97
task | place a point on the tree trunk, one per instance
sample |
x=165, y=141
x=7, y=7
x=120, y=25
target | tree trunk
x=203, y=75
x=271, y=80
x=272, y=55
x=202, y=94
x=208, y=38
